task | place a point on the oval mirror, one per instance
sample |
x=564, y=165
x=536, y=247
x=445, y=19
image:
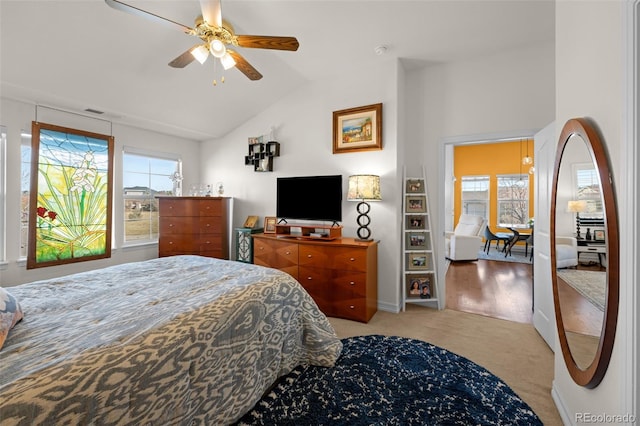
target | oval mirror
x=584, y=250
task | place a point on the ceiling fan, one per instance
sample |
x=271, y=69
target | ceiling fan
x=215, y=36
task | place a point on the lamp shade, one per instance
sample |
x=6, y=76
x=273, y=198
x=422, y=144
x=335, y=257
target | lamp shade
x=201, y=53
x=364, y=187
x=577, y=206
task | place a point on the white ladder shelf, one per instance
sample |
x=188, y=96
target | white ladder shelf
x=419, y=279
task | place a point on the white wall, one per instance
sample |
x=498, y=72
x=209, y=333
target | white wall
x=509, y=92
x=17, y=116
x=303, y=122
x=590, y=81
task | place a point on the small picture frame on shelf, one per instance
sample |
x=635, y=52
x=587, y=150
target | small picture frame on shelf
x=415, y=222
x=598, y=235
x=416, y=203
x=415, y=286
x=418, y=261
x=270, y=224
x=415, y=186
x=251, y=222
x=416, y=241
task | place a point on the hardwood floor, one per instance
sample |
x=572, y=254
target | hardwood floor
x=491, y=288
x=504, y=290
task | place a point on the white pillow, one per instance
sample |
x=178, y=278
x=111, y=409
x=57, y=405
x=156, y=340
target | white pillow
x=10, y=314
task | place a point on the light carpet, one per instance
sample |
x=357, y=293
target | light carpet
x=590, y=284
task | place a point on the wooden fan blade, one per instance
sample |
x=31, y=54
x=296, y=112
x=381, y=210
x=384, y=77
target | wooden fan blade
x=268, y=42
x=184, y=59
x=211, y=12
x=118, y=5
x=245, y=67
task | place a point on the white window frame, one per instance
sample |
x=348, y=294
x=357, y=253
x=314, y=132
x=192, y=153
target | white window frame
x=479, y=182
x=128, y=150
x=3, y=194
x=25, y=141
x=516, y=179
x=585, y=176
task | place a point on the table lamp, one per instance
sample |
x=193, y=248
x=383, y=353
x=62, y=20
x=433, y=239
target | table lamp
x=577, y=206
x=364, y=188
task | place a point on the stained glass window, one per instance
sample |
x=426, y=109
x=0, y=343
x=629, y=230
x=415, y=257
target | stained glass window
x=70, y=200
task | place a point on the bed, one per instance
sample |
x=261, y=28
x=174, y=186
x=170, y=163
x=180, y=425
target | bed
x=170, y=341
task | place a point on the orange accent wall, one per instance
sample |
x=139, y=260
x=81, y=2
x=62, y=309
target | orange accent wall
x=491, y=159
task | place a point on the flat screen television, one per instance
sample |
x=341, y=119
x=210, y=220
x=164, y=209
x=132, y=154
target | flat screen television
x=309, y=198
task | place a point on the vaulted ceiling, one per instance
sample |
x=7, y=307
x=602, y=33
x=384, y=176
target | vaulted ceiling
x=84, y=54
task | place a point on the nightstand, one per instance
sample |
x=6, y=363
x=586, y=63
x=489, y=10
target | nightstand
x=244, y=244
x=598, y=248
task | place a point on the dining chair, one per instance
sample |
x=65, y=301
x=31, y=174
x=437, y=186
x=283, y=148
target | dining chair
x=490, y=236
x=512, y=242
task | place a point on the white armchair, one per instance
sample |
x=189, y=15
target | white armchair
x=466, y=240
x=566, y=252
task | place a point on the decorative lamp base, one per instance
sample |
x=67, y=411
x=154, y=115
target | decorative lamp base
x=364, y=233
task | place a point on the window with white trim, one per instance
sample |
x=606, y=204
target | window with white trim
x=3, y=189
x=25, y=188
x=587, y=187
x=146, y=175
x=475, y=195
x=513, y=200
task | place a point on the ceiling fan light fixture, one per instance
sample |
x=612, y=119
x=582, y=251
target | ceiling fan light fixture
x=201, y=53
x=217, y=48
x=227, y=61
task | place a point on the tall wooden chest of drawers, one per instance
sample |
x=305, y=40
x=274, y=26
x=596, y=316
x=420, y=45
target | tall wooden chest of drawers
x=341, y=275
x=194, y=225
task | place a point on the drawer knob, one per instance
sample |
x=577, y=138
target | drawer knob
x=288, y=253
x=171, y=225
x=352, y=283
x=170, y=242
x=309, y=278
x=352, y=259
x=351, y=307
x=309, y=256
x=208, y=225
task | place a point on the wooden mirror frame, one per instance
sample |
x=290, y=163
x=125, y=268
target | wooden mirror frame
x=592, y=375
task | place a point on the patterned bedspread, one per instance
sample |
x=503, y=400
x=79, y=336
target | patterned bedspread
x=183, y=340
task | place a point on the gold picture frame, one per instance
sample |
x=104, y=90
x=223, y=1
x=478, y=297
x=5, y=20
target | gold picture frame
x=251, y=222
x=357, y=129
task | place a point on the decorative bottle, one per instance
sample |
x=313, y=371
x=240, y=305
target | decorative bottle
x=588, y=235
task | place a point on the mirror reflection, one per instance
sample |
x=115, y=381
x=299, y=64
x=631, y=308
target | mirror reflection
x=581, y=250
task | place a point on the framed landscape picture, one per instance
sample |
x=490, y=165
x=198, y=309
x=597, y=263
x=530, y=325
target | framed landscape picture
x=418, y=261
x=357, y=129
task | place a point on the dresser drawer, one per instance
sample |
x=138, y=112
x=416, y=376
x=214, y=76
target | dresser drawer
x=209, y=225
x=211, y=207
x=281, y=255
x=340, y=284
x=181, y=244
x=355, y=309
x=171, y=225
x=208, y=242
x=177, y=207
x=341, y=258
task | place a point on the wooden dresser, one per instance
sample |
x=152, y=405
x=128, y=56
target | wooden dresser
x=341, y=275
x=194, y=225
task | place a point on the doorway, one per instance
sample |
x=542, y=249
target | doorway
x=490, y=288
